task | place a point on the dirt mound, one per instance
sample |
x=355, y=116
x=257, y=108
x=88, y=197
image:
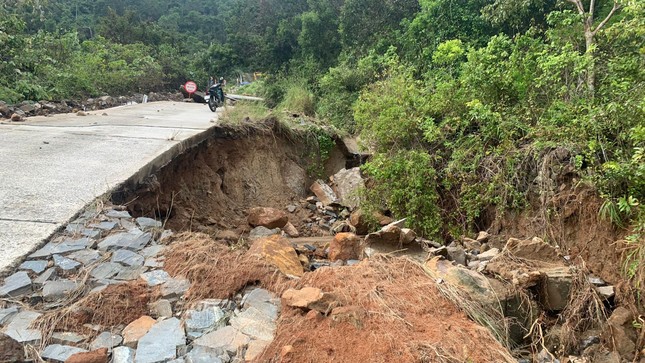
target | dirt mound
x=390, y=311
x=216, y=270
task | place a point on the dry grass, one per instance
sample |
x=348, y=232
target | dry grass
x=115, y=305
x=214, y=270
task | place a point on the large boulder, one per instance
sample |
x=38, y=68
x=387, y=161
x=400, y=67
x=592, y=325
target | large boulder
x=345, y=246
x=277, y=251
x=267, y=217
x=347, y=184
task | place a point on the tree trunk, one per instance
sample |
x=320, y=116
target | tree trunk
x=591, y=72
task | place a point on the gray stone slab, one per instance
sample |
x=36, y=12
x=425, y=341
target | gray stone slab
x=106, y=270
x=161, y=309
x=67, y=338
x=118, y=214
x=161, y=342
x=19, y=328
x=254, y=323
x=153, y=263
x=36, y=266
x=45, y=276
x=130, y=273
x=57, y=290
x=7, y=314
x=85, y=257
x=127, y=257
x=16, y=285
x=148, y=223
x=106, y=340
x=134, y=240
x=227, y=338
x=152, y=251
x=106, y=226
x=65, y=264
x=91, y=233
x=64, y=247
x=60, y=353
x=174, y=287
x=123, y=355
x=154, y=278
x=200, y=322
x=201, y=354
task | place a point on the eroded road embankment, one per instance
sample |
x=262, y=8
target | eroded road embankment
x=51, y=167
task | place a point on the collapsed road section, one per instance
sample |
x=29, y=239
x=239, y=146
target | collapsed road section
x=251, y=247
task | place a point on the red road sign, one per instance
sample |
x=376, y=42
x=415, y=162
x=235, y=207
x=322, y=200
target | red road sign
x=190, y=87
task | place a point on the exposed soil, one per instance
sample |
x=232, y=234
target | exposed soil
x=389, y=309
x=209, y=188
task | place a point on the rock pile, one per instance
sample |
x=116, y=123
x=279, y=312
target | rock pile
x=18, y=112
x=111, y=249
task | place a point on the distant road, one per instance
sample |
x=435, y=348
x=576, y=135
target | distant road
x=51, y=167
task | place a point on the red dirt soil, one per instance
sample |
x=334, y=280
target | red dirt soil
x=390, y=311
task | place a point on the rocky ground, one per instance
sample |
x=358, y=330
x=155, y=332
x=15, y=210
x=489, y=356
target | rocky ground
x=18, y=112
x=314, y=280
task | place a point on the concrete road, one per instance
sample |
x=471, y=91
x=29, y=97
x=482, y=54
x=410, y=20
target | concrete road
x=52, y=167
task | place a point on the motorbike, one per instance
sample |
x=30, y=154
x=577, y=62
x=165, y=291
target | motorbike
x=215, y=96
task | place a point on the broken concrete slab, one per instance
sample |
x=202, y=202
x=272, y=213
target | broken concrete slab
x=555, y=287
x=16, y=285
x=134, y=240
x=60, y=353
x=57, y=290
x=161, y=342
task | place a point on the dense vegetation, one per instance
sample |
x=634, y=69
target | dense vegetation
x=455, y=97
